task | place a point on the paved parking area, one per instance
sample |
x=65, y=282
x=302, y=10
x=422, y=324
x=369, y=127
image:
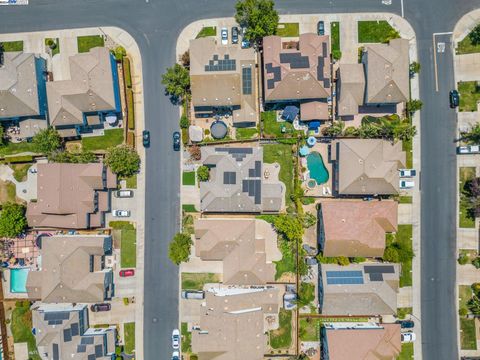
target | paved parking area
x=124, y=286
x=405, y=214
x=119, y=313
x=123, y=204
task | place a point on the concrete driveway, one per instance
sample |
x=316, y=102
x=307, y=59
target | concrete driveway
x=120, y=313
x=123, y=204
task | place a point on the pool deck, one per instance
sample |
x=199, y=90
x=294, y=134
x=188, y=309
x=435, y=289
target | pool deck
x=320, y=190
x=6, y=288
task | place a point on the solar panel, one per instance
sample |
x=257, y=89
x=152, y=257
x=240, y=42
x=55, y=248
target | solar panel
x=67, y=335
x=91, y=357
x=296, y=60
x=98, y=350
x=74, y=329
x=229, y=178
x=225, y=64
x=384, y=269
x=55, y=354
x=247, y=81
x=344, y=277
x=344, y=274
x=86, y=340
x=376, y=277
x=81, y=348
x=256, y=171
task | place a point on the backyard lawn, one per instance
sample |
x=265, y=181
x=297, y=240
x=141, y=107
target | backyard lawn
x=466, y=220
x=376, y=32
x=129, y=335
x=467, y=334
x=288, y=30
x=11, y=46
x=309, y=329
x=195, y=281
x=281, y=154
x=188, y=178
x=404, y=238
x=112, y=137
x=7, y=192
x=21, y=327
x=287, y=264
x=469, y=93
x=128, y=249
x=245, y=133
x=282, y=337
x=272, y=128
x=186, y=338
x=335, y=36
x=85, y=43
x=407, y=352
x=466, y=47
x=207, y=31
x=16, y=148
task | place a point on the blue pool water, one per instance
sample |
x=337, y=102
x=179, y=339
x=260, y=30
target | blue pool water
x=317, y=168
x=18, y=280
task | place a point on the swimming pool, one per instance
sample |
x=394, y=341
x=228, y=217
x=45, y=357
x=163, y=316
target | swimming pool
x=18, y=280
x=317, y=168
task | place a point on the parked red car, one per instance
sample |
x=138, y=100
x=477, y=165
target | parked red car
x=127, y=272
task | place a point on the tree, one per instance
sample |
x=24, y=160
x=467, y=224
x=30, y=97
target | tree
x=12, y=220
x=369, y=131
x=289, y=226
x=336, y=129
x=185, y=59
x=195, y=152
x=47, y=141
x=405, y=132
x=306, y=294
x=177, y=82
x=391, y=255
x=463, y=311
x=474, y=305
x=184, y=122
x=475, y=35
x=123, y=160
x=472, y=136
x=258, y=17
x=414, y=105
x=203, y=173
x=308, y=220
x=351, y=131
x=179, y=248
x=414, y=67
x=119, y=53
x=83, y=157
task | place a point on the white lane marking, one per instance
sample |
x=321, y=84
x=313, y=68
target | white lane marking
x=403, y=14
x=435, y=54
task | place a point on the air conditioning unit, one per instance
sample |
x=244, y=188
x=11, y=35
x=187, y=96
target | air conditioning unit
x=109, y=261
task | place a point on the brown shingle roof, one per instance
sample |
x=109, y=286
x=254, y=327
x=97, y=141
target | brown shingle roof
x=351, y=88
x=357, y=228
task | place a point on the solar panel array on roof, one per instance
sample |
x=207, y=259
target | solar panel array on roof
x=320, y=74
x=237, y=153
x=344, y=277
x=247, y=81
x=256, y=171
x=91, y=357
x=253, y=188
x=229, y=178
x=225, y=64
x=56, y=355
x=296, y=60
x=86, y=340
x=376, y=272
x=56, y=318
x=81, y=348
x=277, y=75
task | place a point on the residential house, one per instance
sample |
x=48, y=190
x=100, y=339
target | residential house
x=366, y=166
x=359, y=289
x=350, y=89
x=72, y=269
x=234, y=326
x=387, y=72
x=62, y=332
x=83, y=102
x=223, y=77
x=365, y=341
x=354, y=228
x=22, y=86
x=298, y=73
x=247, y=249
x=239, y=182
x=71, y=196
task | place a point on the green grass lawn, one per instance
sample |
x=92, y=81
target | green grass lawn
x=272, y=128
x=469, y=95
x=188, y=178
x=16, y=148
x=121, y=225
x=467, y=334
x=21, y=327
x=287, y=264
x=407, y=147
x=20, y=171
x=246, y=133
x=7, y=191
x=128, y=249
x=335, y=39
x=189, y=208
x=282, y=337
x=129, y=335
x=466, y=47
x=466, y=220
x=407, y=352
x=132, y=182
x=281, y=154
x=56, y=49
x=195, y=281
x=85, y=43
x=186, y=338
x=309, y=329
x=405, y=199
x=403, y=312
x=11, y=46
x=112, y=137
x=464, y=294
x=207, y=31
x=376, y=32
x=288, y=29
x=404, y=237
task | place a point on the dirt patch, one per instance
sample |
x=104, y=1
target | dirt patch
x=73, y=146
x=287, y=278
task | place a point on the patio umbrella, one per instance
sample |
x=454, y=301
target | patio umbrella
x=311, y=141
x=304, y=150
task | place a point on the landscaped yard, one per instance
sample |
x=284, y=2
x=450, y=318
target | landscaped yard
x=335, y=38
x=207, y=31
x=281, y=154
x=245, y=133
x=112, y=137
x=407, y=352
x=466, y=47
x=466, y=219
x=376, y=32
x=20, y=171
x=407, y=147
x=287, y=264
x=404, y=239
x=56, y=49
x=195, y=281
x=186, y=338
x=85, y=43
x=128, y=248
x=189, y=208
x=405, y=199
x=288, y=30
x=21, y=327
x=309, y=329
x=188, y=178
x=16, y=148
x=129, y=334
x=467, y=334
x=282, y=337
x=11, y=46
x=403, y=312
x=7, y=191
x=272, y=128
x=464, y=294
x=469, y=93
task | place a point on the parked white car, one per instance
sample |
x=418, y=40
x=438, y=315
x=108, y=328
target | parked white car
x=407, y=172
x=123, y=193
x=406, y=184
x=121, y=213
x=175, y=339
x=469, y=149
x=408, y=337
x=224, y=34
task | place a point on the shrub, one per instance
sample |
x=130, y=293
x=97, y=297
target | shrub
x=476, y=288
x=414, y=67
x=47, y=140
x=308, y=220
x=184, y=122
x=119, y=53
x=179, y=248
x=343, y=261
x=476, y=262
x=18, y=159
x=207, y=132
x=203, y=173
x=337, y=54
x=463, y=259
x=126, y=301
x=289, y=226
x=127, y=73
x=358, y=260
x=391, y=254
x=130, y=110
x=463, y=311
x=12, y=220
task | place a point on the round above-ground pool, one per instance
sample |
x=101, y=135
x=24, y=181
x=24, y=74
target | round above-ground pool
x=317, y=168
x=218, y=129
x=18, y=280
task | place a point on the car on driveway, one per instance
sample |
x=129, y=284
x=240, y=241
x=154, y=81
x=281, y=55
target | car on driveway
x=406, y=184
x=321, y=28
x=469, y=149
x=100, y=307
x=407, y=172
x=406, y=324
x=175, y=339
x=454, y=99
x=176, y=141
x=224, y=34
x=234, y=35
x=123, y=193
x=121, y=213
x=146, y=138
x=126, y=272
x=408, y=337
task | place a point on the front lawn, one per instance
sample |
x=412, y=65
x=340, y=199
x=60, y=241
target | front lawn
x=405, y=199
x=335, y=39
x=128, y=249
x=132, y=182
x=288, y=30
x=407, y=352
x=195, y=281
x=111, y=138
x=407, y=147
x=467, y=334
x=464, y=294
x=246, y=133
x=20, y=171
x=186, y=338
x=56, y=49
x=129, y=337
x=85, y=43
x=469, y=93
x=376, y=32
x=403, y=237
x=21, y=327
x=466, y=47
x=466, y=218
x=189, y=208
x=272, y=128
x=188, y=178
x=282, y=337
x=207, y=31
x=281, y=154
x=403, y=312
x=12, y=46
x=7, y=192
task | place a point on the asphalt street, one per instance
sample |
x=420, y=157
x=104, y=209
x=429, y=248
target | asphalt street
x=155, y=25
